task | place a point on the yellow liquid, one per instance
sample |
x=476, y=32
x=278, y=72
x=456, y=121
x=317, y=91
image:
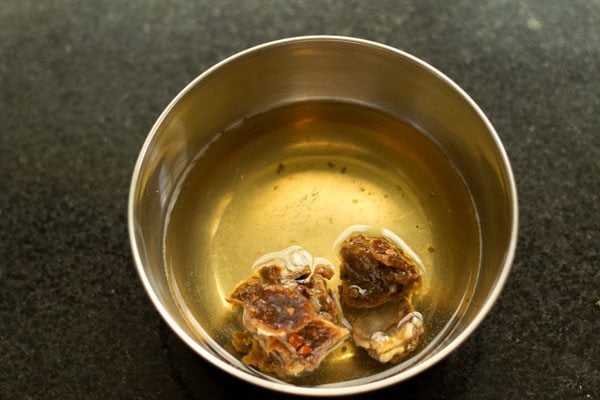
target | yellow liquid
x=301, y=174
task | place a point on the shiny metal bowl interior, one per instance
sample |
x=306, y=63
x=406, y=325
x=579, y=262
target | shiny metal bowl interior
x=337, y=68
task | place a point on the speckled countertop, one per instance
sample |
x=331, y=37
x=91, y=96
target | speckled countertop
x=81, y=83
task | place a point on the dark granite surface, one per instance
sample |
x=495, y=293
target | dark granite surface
x=81, y=83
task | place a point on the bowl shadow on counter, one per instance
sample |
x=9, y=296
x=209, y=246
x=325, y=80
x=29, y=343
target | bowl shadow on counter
x=447, y=379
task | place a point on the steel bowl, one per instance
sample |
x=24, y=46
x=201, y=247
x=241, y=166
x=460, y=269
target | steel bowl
x=336, y=68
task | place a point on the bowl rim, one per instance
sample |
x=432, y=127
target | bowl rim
x=317, y=390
